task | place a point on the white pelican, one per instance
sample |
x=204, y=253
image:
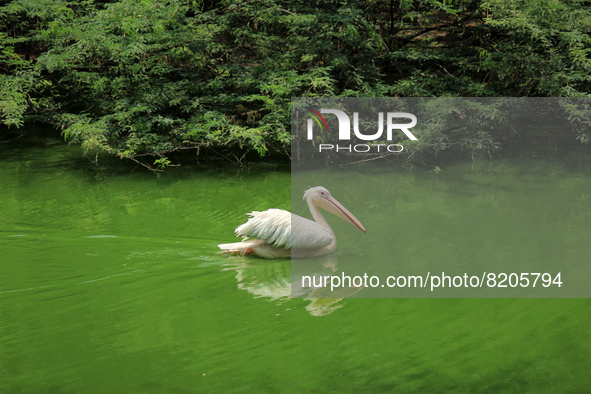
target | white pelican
x=276, y=233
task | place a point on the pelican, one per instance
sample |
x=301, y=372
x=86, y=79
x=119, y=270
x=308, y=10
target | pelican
x=277, y=233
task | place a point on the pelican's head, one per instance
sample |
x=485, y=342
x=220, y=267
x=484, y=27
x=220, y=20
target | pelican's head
x=322, y=198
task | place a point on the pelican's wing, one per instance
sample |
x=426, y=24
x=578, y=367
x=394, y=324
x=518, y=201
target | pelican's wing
x=282, y=229
x=272, y=225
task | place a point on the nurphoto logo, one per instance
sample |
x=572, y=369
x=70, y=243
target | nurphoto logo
x=344, y=123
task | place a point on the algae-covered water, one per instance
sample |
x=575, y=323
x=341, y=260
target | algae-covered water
x=111, y=281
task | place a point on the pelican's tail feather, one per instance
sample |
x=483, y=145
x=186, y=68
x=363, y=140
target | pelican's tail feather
x=244, y=247
x=260, y=247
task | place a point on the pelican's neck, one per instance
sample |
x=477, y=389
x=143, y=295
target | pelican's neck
x=317, y=215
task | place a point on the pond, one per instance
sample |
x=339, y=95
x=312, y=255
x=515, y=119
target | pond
x=111, y=281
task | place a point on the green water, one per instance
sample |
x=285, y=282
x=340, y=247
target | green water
x=110, y=281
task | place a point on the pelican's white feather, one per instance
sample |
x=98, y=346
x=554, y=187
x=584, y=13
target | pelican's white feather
x=280, y=228
x=272, y=225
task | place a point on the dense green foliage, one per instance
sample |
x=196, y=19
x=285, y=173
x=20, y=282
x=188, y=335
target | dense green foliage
x=142, y=79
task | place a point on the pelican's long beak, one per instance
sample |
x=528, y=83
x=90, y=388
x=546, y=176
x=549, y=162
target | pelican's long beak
x=335, y=207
